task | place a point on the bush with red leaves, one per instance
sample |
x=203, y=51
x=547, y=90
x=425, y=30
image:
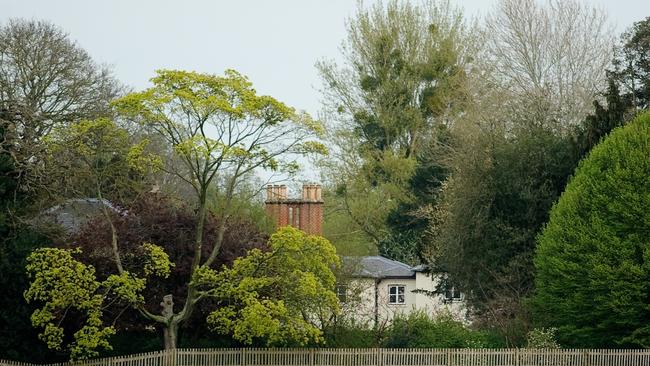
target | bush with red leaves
x=160, y=220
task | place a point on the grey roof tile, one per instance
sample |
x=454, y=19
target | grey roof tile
x=377, y=267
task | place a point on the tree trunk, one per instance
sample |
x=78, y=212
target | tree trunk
x=171, y=335
x=171, y=326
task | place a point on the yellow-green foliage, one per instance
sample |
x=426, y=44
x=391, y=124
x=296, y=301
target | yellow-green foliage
x=127, y=287
x=102, y=156
x=157, y=262
x=277, y=296
x=88, y=136
x=140, y=161
x=61, y=283
x=183, y=104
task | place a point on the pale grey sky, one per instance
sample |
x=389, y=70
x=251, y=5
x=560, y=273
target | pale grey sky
x=275, y=43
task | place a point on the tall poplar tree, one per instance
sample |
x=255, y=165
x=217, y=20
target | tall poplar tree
x=388, y=106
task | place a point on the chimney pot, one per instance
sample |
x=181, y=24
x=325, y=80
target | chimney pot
x=317, y=193
x=305, y=213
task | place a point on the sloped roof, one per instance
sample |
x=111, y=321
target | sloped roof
x=74, y=213
x=377, y=267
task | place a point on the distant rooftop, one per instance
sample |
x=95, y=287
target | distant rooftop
x=74, y=213
x=378, y=267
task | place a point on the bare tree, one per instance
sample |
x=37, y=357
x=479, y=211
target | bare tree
x=551, y=55
x=46, y=79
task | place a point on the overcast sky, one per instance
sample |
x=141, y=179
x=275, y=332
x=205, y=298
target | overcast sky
x=275, y=43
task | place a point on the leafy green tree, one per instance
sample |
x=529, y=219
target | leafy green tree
x=628, y=89
x=632, y=65
x=592, y=260
x=62, y=283
x=510, y=163
x=346, y=235
x=402, y=82
x=185, y=108
x=604, y=119
x=46, y=81
x=495, y=203
x=96, y=158
x=169, y=223
x=281, y=297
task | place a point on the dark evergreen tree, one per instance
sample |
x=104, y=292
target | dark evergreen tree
x=628, y=89
x=593, y=258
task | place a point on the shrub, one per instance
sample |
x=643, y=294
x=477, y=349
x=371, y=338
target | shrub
x=350, y=334
x=542, y=338
x=419, y=330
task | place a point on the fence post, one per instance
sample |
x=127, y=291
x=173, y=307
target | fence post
x=517, y=357
x=380, y=357
x=311, y=357
x=449, y=362
x=585, y=357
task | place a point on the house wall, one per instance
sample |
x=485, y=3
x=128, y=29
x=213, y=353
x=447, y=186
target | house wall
x=361, y=299
x=436, y=304
x=360, y=305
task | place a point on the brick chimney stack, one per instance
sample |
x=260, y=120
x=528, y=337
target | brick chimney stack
x=305, y=213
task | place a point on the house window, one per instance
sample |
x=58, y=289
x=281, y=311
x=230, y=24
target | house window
x=342, y=293
x=453, y=294
x=396, y=294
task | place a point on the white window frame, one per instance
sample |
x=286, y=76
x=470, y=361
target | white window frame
x=452, y=298
x=394, y=298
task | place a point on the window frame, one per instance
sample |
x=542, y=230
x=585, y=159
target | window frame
x=452, y=290
x=397, y=294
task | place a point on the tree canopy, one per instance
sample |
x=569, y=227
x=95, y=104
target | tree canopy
x=46, y=80
x=593, y=258
x=388, y=105
x=184, y=109
x=283, y=297
x=444, y=142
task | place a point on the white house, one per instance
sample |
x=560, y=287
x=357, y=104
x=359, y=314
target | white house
x=375, y=289
x=372, y=289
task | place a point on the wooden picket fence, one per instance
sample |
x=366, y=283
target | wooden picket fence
x=371, y=357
